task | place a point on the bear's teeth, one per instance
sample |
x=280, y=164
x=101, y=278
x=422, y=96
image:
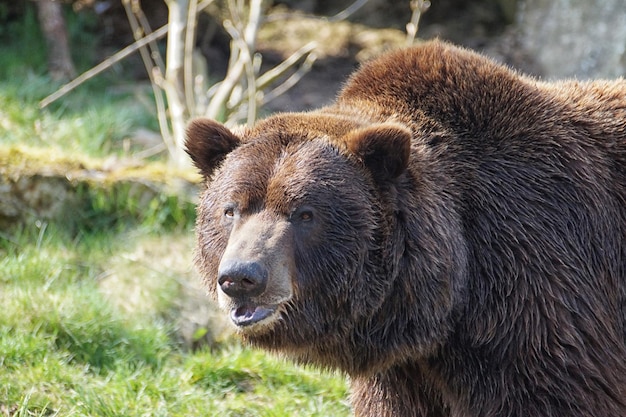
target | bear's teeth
x=247, y=314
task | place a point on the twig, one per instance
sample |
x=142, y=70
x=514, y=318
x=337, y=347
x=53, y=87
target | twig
x=348, y=11
x=272, y=74
x=252, y=28
x=244, y=37
x=155, y=54
x=418, y=7
x=189, y=45
x=249, y=36
x=153, y=64
x=224, y=88
x=112, y=60
x=240, y=59
x=174, y=75
x=157, y=34
x=291, y=81
x=342, y=15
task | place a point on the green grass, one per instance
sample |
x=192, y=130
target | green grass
x=71, y=347
x=94, y=119
x=90, y=306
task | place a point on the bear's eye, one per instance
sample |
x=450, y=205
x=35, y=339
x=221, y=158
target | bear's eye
x=306, y=216
x=303, y=214
x=229, y=212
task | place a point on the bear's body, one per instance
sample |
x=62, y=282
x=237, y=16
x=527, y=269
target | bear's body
x=448, y=233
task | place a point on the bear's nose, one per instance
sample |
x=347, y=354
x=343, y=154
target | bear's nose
x=240, y=279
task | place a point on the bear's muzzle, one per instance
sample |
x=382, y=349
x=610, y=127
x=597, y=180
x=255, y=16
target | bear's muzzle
x=255, y=274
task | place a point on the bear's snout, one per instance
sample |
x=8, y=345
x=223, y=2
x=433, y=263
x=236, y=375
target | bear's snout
x=241, y=279
x=254, y=275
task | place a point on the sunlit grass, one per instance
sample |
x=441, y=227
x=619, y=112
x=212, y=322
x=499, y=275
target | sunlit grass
x=93, y=126
x=94, y=119
x=75, y=344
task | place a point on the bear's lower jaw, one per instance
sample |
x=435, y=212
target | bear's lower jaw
x=249, y=314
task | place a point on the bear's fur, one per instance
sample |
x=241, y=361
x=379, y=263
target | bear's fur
x=449, y=233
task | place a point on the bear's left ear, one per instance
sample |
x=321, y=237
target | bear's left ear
x=208, y=142
x=383, y=148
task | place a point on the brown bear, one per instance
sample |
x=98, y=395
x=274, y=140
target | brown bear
x=448, y=233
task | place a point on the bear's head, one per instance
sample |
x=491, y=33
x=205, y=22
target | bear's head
x=293, y=229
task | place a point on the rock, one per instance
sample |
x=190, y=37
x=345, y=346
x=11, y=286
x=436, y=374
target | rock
x=575, y=38
x=37, y=185
x=39, y=196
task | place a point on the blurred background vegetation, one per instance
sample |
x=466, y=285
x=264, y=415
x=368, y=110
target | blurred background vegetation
x=101, y=312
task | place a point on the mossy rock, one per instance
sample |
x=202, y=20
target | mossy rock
x=38, y=186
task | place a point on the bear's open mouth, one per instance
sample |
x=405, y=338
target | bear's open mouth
x=248, y=314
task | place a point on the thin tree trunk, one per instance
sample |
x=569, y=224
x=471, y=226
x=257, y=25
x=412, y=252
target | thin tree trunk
x=60, y=65
x=174, y=84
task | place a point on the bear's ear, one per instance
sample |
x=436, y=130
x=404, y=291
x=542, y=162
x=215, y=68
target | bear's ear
x=383, y=148
x=208, y=142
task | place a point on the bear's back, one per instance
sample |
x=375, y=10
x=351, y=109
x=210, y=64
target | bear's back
x=517, y=130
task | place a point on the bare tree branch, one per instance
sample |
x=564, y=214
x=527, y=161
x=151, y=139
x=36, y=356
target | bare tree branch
x=173, y=83
x=292, y=80
x=189, y=45
x=418, y=7
x=243, y=43
x=235, y=98
x=104, y=65
x=153, y=63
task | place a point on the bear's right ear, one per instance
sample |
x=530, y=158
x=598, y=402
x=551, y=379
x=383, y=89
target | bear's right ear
x=208, y=142
x=383, y=148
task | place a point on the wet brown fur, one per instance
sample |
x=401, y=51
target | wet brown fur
x=467, y=252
